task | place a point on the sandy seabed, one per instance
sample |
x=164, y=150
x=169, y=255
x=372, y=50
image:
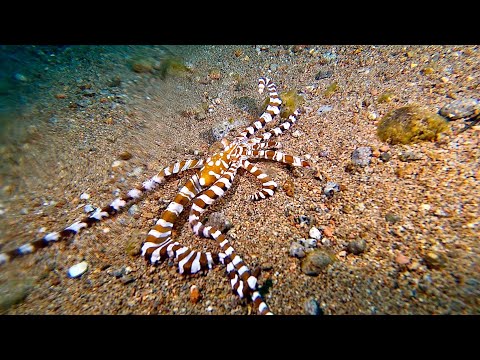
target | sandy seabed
x=86, y=116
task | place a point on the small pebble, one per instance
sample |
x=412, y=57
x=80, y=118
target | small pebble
x=125, y=155
x=195, y=294
x=323, y=109
x=385, y=156
x=331, y=188
x=314, y=233
x=361, y=156
x=409, y=156
x=327, y=231
x=297, y=250
x=85, y=196
x=302, y=219
x=357, y=247
x=134, y=209
x=402, y=259
x=311, y=307
x=77, y=269
x=308, y=243
x=296, y=134
x=435, y=260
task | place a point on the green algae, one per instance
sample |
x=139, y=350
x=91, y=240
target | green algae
x=291, y=101
x=410, y=124
x=172, y=65
x=331, y=89
x=386, y=97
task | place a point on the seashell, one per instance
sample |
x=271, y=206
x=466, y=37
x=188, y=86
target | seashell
x=78, y=269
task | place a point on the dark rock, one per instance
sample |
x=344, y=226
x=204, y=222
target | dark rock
x=357, y=246
x=13, y=292
x=323, y=74
x=461, y=108
x=315, y=262
x=409, y=156
x=392, y=218
x=385, y=156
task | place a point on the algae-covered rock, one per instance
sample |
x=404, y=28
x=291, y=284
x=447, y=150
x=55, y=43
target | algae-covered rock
x=13, y=292
x=291, y=101
x=411, y=124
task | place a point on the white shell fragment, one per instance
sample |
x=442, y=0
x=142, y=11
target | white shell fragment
x=315, y=233
x=78, y=269
x=85, y=196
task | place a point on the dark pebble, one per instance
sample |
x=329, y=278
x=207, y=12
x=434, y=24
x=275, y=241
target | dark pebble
x=410, y=156
x=13, y=292
x=314, y=262
x=323, y=74
x=461, y=108
x=302, y=219
x=386, y=156
x=127, y=280
x=392, y=218
x=357, y=246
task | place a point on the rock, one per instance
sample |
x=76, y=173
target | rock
x=133, y=210
x=361, y=156
x=14, y=292
x=331, y=188
x=141, y=65
x=315, y=262
x=327, y=231
x=435, y=260
x=77, y=269
x=127, y=279
x=411, y=124
x=357, y=247
x=85, y=196
x=289, y=187
x=324, y=109
x=219, y=221
x=133, y=248
x=385, y=156
x=125, y=155
x=402, y=259
x=314, y=233
x=410, y=156
x=84, y=102
x=461, y=108
x=195, y=294
x=311, y=307
x=297, y=250
x=308, y=243
x=392, y=218
x=303, y=219
x=323, y=74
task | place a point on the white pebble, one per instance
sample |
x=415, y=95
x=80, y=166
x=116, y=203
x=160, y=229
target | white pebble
x=315, y=233
x=78, y=269
x=85, y=196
